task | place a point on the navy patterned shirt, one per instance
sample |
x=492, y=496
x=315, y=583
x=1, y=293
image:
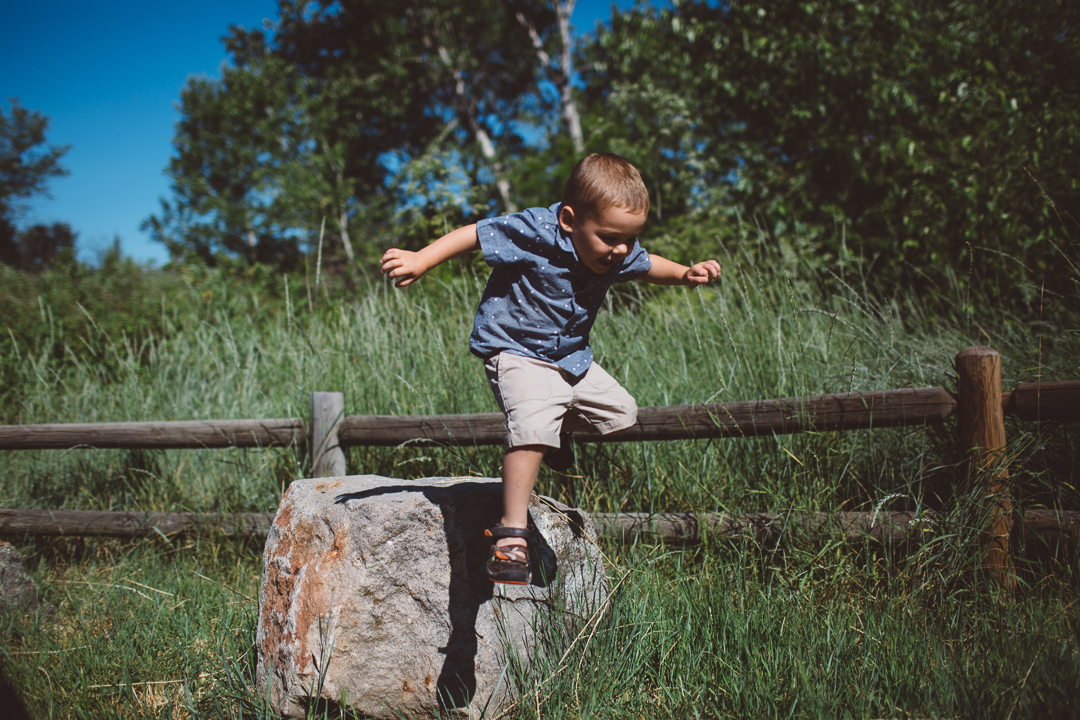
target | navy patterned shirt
x=541, y=300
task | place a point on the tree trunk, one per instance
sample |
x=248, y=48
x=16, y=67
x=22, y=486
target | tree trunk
x=343, y=217
x=570, y=112
x=488, y=149
x=562, y=75
x=466, y=106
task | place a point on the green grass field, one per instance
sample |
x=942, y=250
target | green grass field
x=811, y=628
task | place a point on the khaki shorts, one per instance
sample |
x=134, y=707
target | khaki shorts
x=537, y=396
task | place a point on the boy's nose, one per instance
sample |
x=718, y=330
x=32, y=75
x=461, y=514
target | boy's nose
x=622, y=249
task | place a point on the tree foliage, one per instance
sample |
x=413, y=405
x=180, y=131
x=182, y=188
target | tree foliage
x=929, y=138
x=340, y=111
x=26, y=163
x=927, y=135
x=35, y=248
x=236, y=148
x=26, y=166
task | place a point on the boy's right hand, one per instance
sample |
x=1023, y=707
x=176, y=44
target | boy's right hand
x=407, y=267
x=402, y=265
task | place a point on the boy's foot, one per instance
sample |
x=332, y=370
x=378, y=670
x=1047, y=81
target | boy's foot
x=509, y=562
x=561, y=459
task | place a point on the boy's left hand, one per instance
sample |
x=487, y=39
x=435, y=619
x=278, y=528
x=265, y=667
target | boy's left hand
x=703, y=272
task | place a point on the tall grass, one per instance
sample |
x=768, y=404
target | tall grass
x=711, y=633
x=810, y=628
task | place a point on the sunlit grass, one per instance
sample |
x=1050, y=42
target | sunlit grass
x=808, y=629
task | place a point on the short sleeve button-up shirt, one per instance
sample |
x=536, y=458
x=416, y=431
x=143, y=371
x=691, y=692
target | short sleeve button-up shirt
x=541, y=300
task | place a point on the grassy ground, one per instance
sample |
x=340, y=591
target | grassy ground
x=161, y=628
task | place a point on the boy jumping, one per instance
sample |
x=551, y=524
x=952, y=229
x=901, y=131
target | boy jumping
x=552, y=268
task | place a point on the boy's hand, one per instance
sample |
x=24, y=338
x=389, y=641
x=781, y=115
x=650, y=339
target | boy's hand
x=407, y=267
x=702, y=272
x=402, y=265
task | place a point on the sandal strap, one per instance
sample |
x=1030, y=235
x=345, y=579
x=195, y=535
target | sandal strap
x=508, y=532
x=513, y=554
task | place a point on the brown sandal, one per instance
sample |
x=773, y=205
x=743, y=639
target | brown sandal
x=509, y=565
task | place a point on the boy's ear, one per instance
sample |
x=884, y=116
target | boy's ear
x=566, y=218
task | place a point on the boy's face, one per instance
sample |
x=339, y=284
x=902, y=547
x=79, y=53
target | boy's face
x=602, y=241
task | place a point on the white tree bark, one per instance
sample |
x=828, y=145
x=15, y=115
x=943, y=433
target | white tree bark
x=487, y=147
x=343, y=223
x=561, y=75
x=343, y=220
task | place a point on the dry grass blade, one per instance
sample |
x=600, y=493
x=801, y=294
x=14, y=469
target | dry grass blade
x=232, y=590
x=148, y=683
x=162, y=592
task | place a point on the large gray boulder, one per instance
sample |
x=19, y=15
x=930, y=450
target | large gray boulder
x=374, y=596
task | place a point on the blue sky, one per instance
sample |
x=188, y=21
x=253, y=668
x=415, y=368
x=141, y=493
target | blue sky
x=108, y=75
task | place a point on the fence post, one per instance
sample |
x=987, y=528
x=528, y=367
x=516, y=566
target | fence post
x=981, y=427
x=327, y=412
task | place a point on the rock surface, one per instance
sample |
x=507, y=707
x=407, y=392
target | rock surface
x=374, y=595
x=17, y=588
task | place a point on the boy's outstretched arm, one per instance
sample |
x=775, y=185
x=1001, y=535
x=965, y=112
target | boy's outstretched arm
x=666, y=272
x=406, y=267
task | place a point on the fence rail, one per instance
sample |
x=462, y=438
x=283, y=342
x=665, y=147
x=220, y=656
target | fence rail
x=93, y=523
x=753, y=418
x=1045, y=526
x=165, y=435
x=979, y=406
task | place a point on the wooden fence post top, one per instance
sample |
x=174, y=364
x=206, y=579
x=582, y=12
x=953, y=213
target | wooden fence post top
x=971, y=358
x=981, y=421
x=977, y=351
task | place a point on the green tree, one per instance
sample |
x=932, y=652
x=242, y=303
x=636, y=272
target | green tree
x=359, y=114
x=541, y=169
x=26, y=166
x=467, y=70
x=641, y=102
x=555, y=55
x=236, y=148
x=927, y=135
x=26, y=163
x=268, y=152
x=35, y=248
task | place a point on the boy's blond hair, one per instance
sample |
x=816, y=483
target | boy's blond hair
x=603, y=180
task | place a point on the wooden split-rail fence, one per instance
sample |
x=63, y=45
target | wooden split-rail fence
x=979, y=406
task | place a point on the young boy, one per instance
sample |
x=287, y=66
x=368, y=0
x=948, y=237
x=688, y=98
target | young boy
x=552, y=268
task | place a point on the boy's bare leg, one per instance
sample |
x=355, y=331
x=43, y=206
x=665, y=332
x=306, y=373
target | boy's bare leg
x=520, y=467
